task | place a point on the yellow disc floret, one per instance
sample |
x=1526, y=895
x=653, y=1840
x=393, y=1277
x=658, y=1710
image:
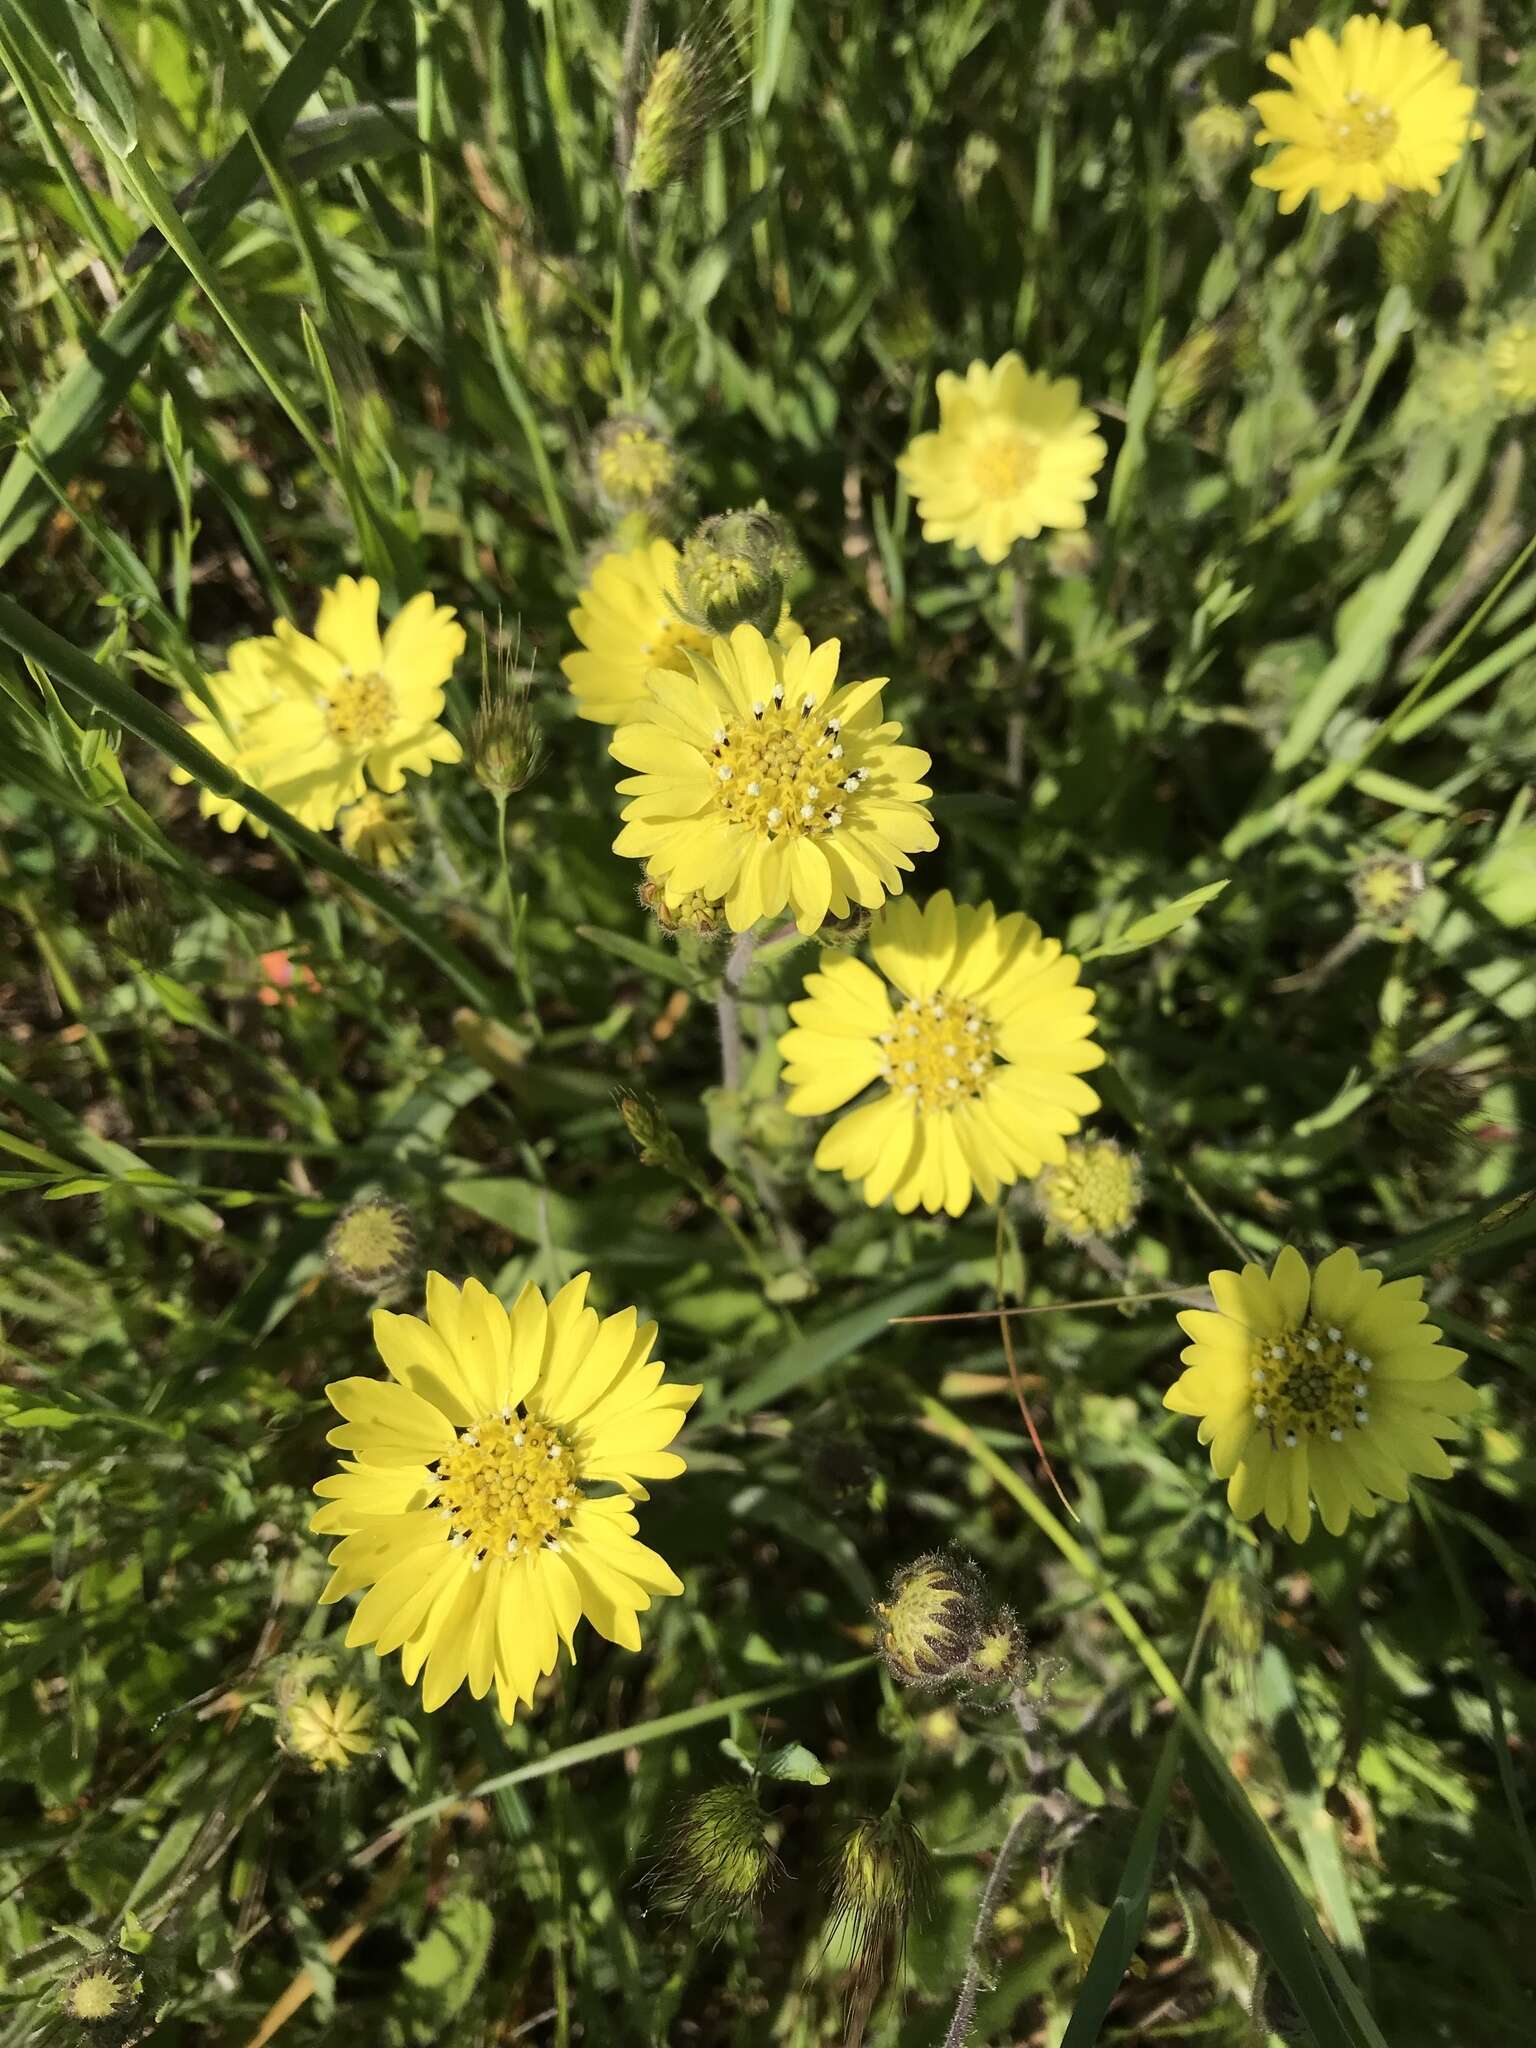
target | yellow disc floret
x=938, y=1051
x=784, y=771
x=1094, y=1192
x=507, y=1485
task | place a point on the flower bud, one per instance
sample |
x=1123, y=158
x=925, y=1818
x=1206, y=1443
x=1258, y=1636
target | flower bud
x=655, y=1140
x=379, y=830
x=1385, y=888
x=1214, y=139
x=843, y=934
x=999, y=1658
x=1413, y=243
x=1512, y=359
x=696, y=913
x=104, y=1996
x=1200, y=363
x=1094, y=1193
x=1431, y=1110
x=690, y=92
x=1451, y=385
x=505, y=745
x=881, y=1875
x=927, y=1627
x=1072, y=552
x=634, y=466
x=327, y=1730
x=371, y=1244
x=733, y=572
x=717, y=1862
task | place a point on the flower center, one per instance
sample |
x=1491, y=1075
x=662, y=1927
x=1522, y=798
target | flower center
x=783, y=770
x=1005, y=464
x=359, y=709
x=508, y=1485
x=1362, y=131
x=670, y=644
x=1309, y=1382
x=634, y=465
x=938, y=1053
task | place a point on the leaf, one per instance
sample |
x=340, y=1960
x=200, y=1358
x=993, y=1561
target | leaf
x=42, y=1418
x=818, y=1351
x=1157, y=924
x=649, y=959
x=794, y=1764
x=712, y=266
x=82, y=67
x=448, y=1963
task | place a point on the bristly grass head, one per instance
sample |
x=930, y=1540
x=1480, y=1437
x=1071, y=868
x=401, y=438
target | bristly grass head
x=506, y=746
x=693, y=90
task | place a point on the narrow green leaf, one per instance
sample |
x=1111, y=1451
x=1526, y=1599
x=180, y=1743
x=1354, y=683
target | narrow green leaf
x=1157, y=924
x=819, y=1350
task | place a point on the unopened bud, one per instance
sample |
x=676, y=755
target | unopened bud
x=104, y=1998
x=1000, y=1657
x=1215, y=138
x=1072, y=552
x=881, y=1877
x=1431, y=1110
x=634, y=466
x=1094, y=1192
x=927, y=1626
x=733, y=572
x=1451, y=385
x=1512, y=359
x=718, y=1861
x=1414, y=243
x=371, y=1245
x=379, y=830
x=694, y=912
x=843, y=934
x=655, y=1140
x=1386, y=887
x=1197, y=365
x=689, y=93
x=326, y=1730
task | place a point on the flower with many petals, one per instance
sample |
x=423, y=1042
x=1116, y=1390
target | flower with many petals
x=978, y=1066
x=1015, y=451
x=1326, y=1386
x=762, y=784
x=1381, y=110
x=465, y=1508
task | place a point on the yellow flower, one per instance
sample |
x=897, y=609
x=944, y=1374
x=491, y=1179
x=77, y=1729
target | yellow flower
x=346, y=701
x=1512, y=360
x=634, y=466
x=379, y=830
x=1325, y=1386
x=329, y=1733
x=1381, y=110
x=627, y=627
x=1015, y=451
x=1094, y=1192
x=463, y=1508
x=979, y=1068
x=761, y=784
x=242, y=692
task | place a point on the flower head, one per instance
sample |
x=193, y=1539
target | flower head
x=1381, y=110
x=1512, y=360
x=627, y=627
x=977, y=1060
x=328, y=1732
x=733, y=571
x=378, y=829
x=1216, y=136
x=371, y=1244
x=1326, y=1386
x=309, y=716
x=1385, y=887
x=928, y=1625
x=762, y=783
x=103, y=1995
x=1093, y=1193
x=463, y=1507
x=634, y=466
x=1015, y=451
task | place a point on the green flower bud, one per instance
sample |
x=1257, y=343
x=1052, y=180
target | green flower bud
x=1385, y=888
x=655, y=1140
x=1413, y=244
x=634, y=466
x=1000, y=1655
x=926, y=1628
x=733, y=572
x=104, y=1998
x=696, y=913
x=1215, y=138
x=327, y=1730
x=371, y=1245
x=881, y=1876
x=718, y=1861
x=505, y=745
x=1094, y=1192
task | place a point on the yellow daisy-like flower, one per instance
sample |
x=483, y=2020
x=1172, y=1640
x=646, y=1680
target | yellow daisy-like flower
x=349, y=700
x=1325, y=1386
x=627, y=627
x=243, y=691
x=379, y=829
x=463, y=1509
x=978, y=1066
x=762, y=784
x=1015, y=451
x=1512, y=360
x=1381, y=110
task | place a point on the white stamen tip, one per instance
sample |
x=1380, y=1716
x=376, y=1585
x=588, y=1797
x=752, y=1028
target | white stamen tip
x=1261, y=1409
x=757, y=710
x=1367, y=1365
x=1290, y=1439
x=1336, y=1434
x=1333, y=1334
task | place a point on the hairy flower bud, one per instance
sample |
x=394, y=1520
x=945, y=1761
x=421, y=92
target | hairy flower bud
x=927, y=1626
x=733, y=572
x=1386, y=887
x=717, y=1862
x=371, y=1245
x=379, y=830
x=104, y=1996
x=1197, y=366
x=505, y=745
x=1072, y=551
x=881, y=1876
x=1215, y=138
x=696, y=912
x=1094, y=1192
x=634, y=466
x=1000, y=1655
x=328, y=1731
x=1414, y=243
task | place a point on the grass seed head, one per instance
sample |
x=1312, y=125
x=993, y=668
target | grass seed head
x=882, y=1875
x=691, y=93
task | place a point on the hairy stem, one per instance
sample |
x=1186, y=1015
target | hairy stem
x=986, y=1913
x=728, y=1009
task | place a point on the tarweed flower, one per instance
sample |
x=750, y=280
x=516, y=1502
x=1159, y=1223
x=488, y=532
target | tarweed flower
x=1326, y=1386
x=462, y=1508
x=1015, y=451
x=1512, y=359
x=104, y=1996
x=312, y=719
x=634, y=465
x=1386, y=887
x=718, y=1861
x=687, y=96
x=379, y=829
x=1093, y=1193
x=1381, y=110
x=763, y=784
x=979, y=1066
x=627, y=627
x=371, y=1244
x=928, y=1625
x=882, y=1875
x=327, y=1732
x=1215, y=137
x=734, y=569
x=243, y=692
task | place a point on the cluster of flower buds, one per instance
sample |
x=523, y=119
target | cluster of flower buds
x=937, y=1627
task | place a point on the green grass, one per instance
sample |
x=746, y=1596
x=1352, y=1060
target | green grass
x=1269, y=1793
